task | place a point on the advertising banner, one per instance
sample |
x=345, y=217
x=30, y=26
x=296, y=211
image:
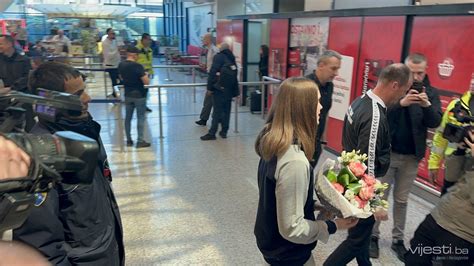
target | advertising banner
x=309, y=36
x=342, y=89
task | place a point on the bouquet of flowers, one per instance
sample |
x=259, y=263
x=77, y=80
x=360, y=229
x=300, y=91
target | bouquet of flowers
x=346, y=190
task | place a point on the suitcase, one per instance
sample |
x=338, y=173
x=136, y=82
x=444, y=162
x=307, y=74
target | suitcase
x=255, y=102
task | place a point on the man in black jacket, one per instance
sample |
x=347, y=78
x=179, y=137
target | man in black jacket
x=222, y=82
x=409, y=121
x=328, y=64
x=366, y=129
x=14, y=68
x=75, y=224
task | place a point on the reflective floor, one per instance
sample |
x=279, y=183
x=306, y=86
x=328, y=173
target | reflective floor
x=184, y=201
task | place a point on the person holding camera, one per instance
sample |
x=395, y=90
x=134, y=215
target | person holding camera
x=447, y=233
x=455, y=114
x=409, y=121
x=75, y=224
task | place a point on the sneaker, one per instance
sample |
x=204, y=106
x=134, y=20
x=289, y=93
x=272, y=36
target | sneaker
x=129, y=143
x=148, y=110
x=223, y=135
x=143, y=144
x=374, y=247
x=208, y=137
x=399, y=247
x=201, y=122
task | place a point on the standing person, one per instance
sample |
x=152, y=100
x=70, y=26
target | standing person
x=366, y=129
x=14, y=68
x=409, y=121
x=263, y=63
x=134, y=78
x=76, y=224
x=207, y=105
x=447, y=233
x=145, y=57
x=62, y=43
x=222, y=82
x=285, y=228
x=21, y=36
x=111, y=54
x=328, y=65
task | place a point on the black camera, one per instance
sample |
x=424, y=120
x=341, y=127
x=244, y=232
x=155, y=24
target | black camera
x=65, y=157
x=418, y=86
x=456, y=133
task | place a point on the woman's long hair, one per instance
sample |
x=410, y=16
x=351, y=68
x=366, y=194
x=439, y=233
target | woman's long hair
x=265, y=50
x=293, y=119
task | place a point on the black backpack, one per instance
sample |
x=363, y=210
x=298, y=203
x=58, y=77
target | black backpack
x=227, y=80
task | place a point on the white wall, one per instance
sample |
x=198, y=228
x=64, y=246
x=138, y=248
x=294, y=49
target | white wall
x=227, y=8
x=346, y=4
x=317, y=5
x=434, y=2
x=258, y=6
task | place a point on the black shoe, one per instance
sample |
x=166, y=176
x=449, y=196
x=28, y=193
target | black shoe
x=400, y=250
x=143, y=144
x=148, y=110
x=374, y=247
x=223, y=135
x=129, y=143
x=208, y=137
x=201, y=122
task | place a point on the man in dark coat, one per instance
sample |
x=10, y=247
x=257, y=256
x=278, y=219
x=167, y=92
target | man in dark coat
x=76, y=224
x=14, y=68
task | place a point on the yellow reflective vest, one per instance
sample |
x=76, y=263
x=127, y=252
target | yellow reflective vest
x=145, y=57
x=441, y=147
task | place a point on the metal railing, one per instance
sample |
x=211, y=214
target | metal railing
x=193, y=73
x=264, y=91
x=188, y=85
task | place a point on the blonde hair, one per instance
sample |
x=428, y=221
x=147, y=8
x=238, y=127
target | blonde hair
x=293, y=119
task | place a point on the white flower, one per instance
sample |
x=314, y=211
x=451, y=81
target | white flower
x=349, y=195
x=367, y=208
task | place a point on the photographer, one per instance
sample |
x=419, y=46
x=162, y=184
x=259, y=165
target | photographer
x=14, y=162
x=447, y=234
x=76, y=223
x=441, y=146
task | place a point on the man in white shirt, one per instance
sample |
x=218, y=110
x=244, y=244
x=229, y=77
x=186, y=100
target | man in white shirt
x=111, y=55
x=207, y=105
x=62, y=43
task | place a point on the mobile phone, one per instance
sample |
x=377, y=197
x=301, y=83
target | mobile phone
x=418, y=86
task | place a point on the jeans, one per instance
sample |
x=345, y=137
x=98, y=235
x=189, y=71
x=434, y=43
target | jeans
x=356, y=245
x=401, y=176
x=207, y=107
x=130, y=105
x=430, y=236
x=221, y=113
x=114, y=77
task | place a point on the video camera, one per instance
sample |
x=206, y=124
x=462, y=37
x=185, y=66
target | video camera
x=456, y=133
x=65, y=157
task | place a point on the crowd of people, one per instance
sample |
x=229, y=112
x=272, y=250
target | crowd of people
x=81, y=223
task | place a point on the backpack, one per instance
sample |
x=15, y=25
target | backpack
x=227, y=81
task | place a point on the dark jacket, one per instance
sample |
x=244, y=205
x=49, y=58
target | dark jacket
x=230, y=85
x=263, y=66
x=366, y=129
x=77, y=224
x=14, y=71
x=420, y=119
x=275, y=249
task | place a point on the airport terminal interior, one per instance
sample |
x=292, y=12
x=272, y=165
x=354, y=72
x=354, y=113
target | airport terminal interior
x=185, y=201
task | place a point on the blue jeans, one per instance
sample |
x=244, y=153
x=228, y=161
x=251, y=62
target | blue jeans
x=130, y=105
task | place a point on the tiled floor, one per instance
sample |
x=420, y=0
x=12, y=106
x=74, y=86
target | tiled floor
x=184, y=201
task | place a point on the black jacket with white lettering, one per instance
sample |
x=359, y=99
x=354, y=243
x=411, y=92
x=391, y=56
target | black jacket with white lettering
x=366, y=129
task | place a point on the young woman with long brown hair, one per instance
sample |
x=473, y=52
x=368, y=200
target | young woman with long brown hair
x=286, y=228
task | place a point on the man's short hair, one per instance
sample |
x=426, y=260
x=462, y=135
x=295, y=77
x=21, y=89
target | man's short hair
x=416, y=58
x=395, y=72
x=107, y=31
x=146, y=36
x=52, y=76
x=133, y=50
x=328, y=54
x=8, y=38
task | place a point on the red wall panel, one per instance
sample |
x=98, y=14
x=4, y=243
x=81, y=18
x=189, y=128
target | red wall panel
x=344, y=37
x=224, y=29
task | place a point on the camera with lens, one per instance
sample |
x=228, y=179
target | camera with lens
x=65, y=156
x=457, y=132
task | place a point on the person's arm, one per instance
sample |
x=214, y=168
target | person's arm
x=432, y=114
x=217, y=63
x=291, y=193
x=145, y=79
x=440, y=144
x=21, y=84
x=143, y=75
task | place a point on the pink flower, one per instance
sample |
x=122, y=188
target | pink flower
x=361, y=202
x=338, y=187
x=366, y=192
x=357, y=168
x=369, y=180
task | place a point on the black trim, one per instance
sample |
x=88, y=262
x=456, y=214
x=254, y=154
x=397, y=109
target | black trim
x=428, y=10
x=354, y=93
x=407, y=37
x=244, y=60
x=276, y=6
